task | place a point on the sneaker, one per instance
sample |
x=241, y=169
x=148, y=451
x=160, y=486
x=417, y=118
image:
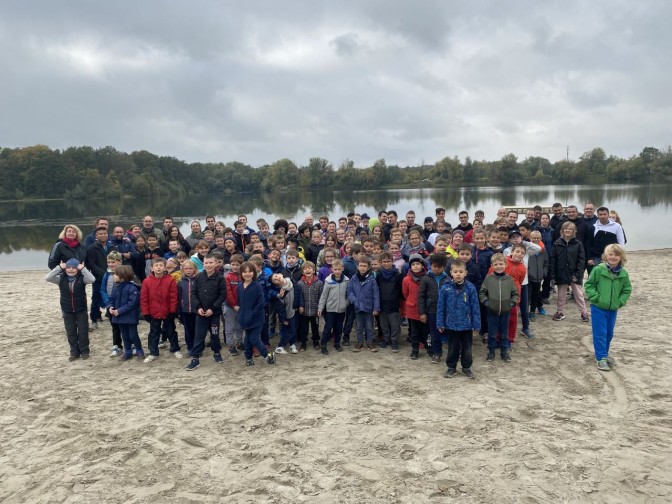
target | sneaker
x=178, y=355
x=585, y=317
x=484, y=338
x=293, y=349
x=140, y=355
x=395, y=348
x=84, y=356
x=324, y=350
x=542, y=311
x=93, y=326
x=533, y=317
x=528, y=334
x=611, y=362
x=150, y=358
x=506, y=356
x=382, y=345
x=218, y=358
x=603, y=365
x=73, y=358
x=345, y=342
x=414, y=355
x=338, y=348
x=233, y=351
x=255, y=352
x=163, y=344
x=451, y=372
x=372, y=347
x=404, y=322
x=270, y=359
x=280, y=351
x=491, y=355
x=435, y=359
x=126, y=356
x=134, y=351
x=358, y=347
x=193, y=364
x=316, y=345
x=558, y=316
x=468, y=373
x=116, y=351
x=249, y=362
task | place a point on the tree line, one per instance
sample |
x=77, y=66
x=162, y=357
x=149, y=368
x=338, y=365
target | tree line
x=84, y=172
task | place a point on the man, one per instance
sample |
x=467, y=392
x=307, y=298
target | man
x=410, y=219
x=501, y=213
x=363, y=223
x=148, y=228
x=464, y=224
x=557, y=218
x=429, y=228
x=391, y=223
x=308, y=220
x=91, y=237
x=512, y=221
x=96, y=261
x=530, y=219
x=196, y=234
x=480, y=215
x=167, y=224
x=589, y=214
x=243, y=218
x=606, y=232
x=440, y=213
x=210, y=223
x=537, y=214
x=584, y=231
x=123, y=245
x=382, y=217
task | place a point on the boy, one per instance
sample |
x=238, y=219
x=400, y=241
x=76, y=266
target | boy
x=410, y=287
x=311, y=289
x=333, y=303
x=389, y=285
x=537, y=269
x=428, y=295
x=72, y=286
x=234, y=333
x=187, y=313
x=499, y=294
x=516, y=238
x=153, y=251
x=158, y=302
x=458, y=315
x=266, y=285
x=315, y=247
x=285, y=303
x=106, y=286
x=173, y=249
x=293, y=267
x=207, y=297
x=364, y=296
x=465, y=254
x=350, y=270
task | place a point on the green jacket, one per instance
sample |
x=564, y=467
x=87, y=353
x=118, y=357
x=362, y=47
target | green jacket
x=499, y=293
x=607, y=290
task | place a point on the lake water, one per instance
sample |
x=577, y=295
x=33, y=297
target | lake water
x=29, y=229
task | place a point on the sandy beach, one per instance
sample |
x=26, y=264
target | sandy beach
x=346, y=428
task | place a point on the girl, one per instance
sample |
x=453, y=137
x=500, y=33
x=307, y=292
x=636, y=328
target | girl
x=333, y=303
x=124, y=306
x=330, y=241
x=330, y=254
x=251, y=313
x=608, y=289
x=138, y=260
x=568, y=261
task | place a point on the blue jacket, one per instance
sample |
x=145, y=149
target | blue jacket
x=251, y=305
x=184, y=290
x=458, y=309
x=364, y=295
x=124, y=246
x=349, y=267
x=125, y=297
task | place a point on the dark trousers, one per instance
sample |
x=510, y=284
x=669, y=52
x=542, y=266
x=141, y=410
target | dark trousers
x=524, y=306
x=189, y=324
x=546, y=287
x=203, y=325
x=484, y=318
x=130, y=337
x=535, y=296
x=154, y=336
x=96, y=300
x=308, y=324
x=332, y=321
x=288, y=332
x=498, y=324
x=116, y=336
x=253, y=339
x=390, y=324
x=77, y=331
x=434, y=335
x=349, y=322
x=264, y=333
x=419, y=333
x=460, y=344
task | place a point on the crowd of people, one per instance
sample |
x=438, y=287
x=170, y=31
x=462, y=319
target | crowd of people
x=367, y=276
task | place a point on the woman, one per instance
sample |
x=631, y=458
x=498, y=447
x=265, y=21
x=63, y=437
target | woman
x=567, y=264
x=174, y=234
x=196, y=234
x=68, y=246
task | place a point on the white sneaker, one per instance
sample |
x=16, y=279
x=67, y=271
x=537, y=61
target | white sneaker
x=116, y=351
x=178, y=355
x=293, y=349
x=134, y=351
x=150, y=358
x=163, y=344
x=280, y=350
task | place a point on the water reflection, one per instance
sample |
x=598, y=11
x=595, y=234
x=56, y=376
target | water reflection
x=34, y=226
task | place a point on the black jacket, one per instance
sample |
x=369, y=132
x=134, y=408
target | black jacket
x=390, y=291
x=208, y=293
x=96, y=259
x=568, y=260
x=62, y=252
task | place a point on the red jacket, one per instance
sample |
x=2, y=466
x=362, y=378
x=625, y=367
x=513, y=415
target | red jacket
x=158, y=297
x=409, y=289
x=232, y=280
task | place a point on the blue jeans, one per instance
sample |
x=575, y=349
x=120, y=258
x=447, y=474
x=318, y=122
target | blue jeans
x=498, y=324
x=333, y=321
x=203, y=324
x=603, y=322
x=253, y=339
x=288, y=332
x=364, y=327
x=129, y=335
x=189, y=324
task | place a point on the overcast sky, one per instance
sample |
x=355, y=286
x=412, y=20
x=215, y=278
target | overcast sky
x=407, y=81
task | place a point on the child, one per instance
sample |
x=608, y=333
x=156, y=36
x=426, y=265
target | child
x=207, y=297
x=499, y=294
x=410, y=288
x=428, y=296
x=124, y=306
x=293, y=266
x=286, y=309
x=516, y=270
x=158, y=302
x=234, y=333
x=516, y=238
x=251, y=300
x=202, y=249
x=537, y=269
x=187, y=313
x=311, y=289
x=330, y=254
x=106, y=287
x=364, y=296
x=567, y=264
x=333, y=304
x=315, y=247
x=138, y=260
x=153, y=251
x=458, y=315
x=608, y=288
x=72, y=286
x=389, y=285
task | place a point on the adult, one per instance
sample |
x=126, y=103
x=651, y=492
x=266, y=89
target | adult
x=364, y=220
x=210, y=223
x=410, y=219
x=196, y=234
x=589, y=214
x=391, y=223
x=68, y=246
x=512, y=221
x=175, y=234
x=557, y=218
x=123, y=245
x=531, y=220
x=464, y=225
x=606, y=232
x=428, y=228
x=167, y=224
x=308, y=219
x=480, y=215
x=148, y=228
x=243, y=218
x=584, y=231
x=91, y=237
x=501, y=213
x=96, y=261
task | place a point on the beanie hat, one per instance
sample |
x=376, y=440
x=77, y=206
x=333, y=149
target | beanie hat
x=72, y=263
x=416, y=258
